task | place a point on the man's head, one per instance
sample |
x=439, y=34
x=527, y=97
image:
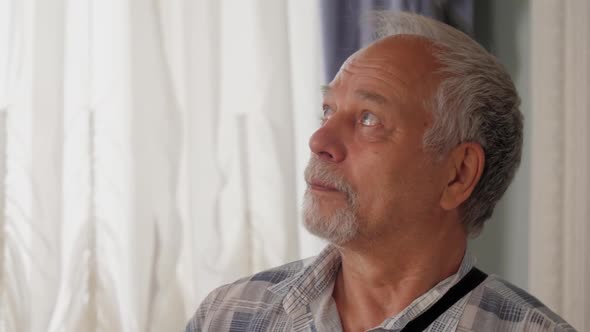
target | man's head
x=421, y=131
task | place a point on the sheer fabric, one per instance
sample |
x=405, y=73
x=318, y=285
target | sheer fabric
x=149, y=151
x=559, y=267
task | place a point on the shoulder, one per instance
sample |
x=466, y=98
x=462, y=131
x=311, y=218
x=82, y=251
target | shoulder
x=244, y=297
x=498, y=304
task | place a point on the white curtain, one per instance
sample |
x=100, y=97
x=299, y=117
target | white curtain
x=559, y=269
x=150, y=150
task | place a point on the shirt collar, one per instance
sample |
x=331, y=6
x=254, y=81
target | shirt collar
x=318, y=274
x=304, y=287
x=427, y=299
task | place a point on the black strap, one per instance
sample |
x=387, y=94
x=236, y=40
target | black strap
x=471, y=280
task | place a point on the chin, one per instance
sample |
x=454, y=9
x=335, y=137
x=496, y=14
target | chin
x=335, y=225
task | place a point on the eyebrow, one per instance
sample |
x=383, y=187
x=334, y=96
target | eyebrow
x=363, y=94
x=371, y=96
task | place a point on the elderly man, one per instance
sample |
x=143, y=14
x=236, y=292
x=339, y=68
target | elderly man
x=420, y=137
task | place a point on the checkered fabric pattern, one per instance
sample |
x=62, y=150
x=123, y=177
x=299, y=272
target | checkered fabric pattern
x=298, y=297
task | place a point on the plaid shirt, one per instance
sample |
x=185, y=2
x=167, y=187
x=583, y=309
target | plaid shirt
x=298, y=297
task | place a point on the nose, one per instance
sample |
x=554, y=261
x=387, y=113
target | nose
x=327, y=144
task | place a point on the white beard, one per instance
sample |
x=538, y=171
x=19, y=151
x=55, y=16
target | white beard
x=341, y=225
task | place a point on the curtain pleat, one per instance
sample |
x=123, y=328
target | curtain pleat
x=306, y=68
x=346, y=26
x=270, y=144
x=200, y=175
x=149, y=152
x=77, y=226
x=560, y=158
x=156, y=144
x=46, y=157
x=96, y=196
x=17, y=225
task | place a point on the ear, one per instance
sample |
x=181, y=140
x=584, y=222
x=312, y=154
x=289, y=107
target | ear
x=465, y=167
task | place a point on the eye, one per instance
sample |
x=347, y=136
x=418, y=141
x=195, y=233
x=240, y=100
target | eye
x=326, y=113
x=369, y=119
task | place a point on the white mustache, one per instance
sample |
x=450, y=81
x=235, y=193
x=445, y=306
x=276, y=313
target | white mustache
x=318, y=170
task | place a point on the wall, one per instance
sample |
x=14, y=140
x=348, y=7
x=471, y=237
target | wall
x=502, y=27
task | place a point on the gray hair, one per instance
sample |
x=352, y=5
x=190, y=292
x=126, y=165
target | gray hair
x=475, y=102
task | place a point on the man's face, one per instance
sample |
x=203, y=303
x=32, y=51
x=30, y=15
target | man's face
x=369, y=175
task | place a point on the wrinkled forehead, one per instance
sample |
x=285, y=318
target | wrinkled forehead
x=401, y=48
x=405, y=62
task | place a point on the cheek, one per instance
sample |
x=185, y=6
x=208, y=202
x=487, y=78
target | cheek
x=379, y=181
x=423, y=188
x=404, y=184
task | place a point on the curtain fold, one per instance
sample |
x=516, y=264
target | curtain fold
x=156, y=95
x=346, y=26
x=150, y=151
x=306, y=69
x=559, y=268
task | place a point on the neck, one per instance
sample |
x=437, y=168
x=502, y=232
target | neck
x=379, y=281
